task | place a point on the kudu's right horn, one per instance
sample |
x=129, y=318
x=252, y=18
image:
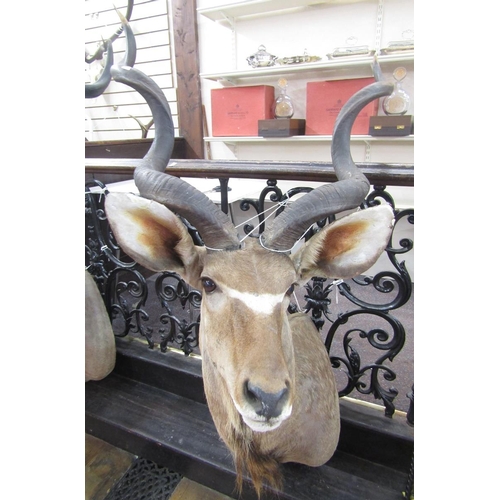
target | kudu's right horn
x=214, y=226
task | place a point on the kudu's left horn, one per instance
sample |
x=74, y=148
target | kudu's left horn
x=347, y=193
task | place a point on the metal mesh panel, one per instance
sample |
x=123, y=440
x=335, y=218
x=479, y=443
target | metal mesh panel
x=145, y=480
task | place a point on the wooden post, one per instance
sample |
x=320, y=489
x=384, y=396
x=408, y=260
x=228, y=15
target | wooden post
x=188, y=76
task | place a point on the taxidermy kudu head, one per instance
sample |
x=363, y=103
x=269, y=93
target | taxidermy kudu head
x=268, y=379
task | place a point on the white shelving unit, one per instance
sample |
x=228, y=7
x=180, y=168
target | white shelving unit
x=308, y=138
x=355, y=66
x=226, y=14
x=247, y=17
x=366, y=142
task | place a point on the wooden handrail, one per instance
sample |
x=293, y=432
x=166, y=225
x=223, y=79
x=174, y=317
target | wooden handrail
x=385, y=174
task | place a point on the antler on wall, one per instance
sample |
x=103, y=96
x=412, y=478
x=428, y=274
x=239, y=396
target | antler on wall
x=96, y=88
x=101, y=48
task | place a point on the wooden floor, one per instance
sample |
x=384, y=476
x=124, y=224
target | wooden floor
x=105, y=465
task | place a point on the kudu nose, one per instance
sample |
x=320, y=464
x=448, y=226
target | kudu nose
x=266, y=404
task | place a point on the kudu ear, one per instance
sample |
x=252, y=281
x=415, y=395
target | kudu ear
x=347, y=247
x=153, y=236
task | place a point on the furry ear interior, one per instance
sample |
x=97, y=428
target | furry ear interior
x=153, y=235
x=347, y=247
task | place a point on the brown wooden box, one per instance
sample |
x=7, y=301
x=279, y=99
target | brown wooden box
x=282, y=127
x=391, y=125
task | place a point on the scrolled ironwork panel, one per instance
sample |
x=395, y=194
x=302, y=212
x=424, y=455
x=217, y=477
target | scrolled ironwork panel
x=365, y=378
x=127, y=295
x=182, y=332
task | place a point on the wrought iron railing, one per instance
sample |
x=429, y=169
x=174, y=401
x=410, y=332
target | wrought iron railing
x=363, y=335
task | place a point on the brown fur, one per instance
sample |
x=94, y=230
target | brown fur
x=263, y=468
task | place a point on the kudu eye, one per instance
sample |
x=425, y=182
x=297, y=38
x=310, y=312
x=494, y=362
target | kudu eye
x=208, y=285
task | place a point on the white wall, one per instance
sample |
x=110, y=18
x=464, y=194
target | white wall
x=107, y=116
x=319, y=29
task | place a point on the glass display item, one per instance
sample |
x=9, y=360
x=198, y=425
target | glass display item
x=283, y=105
x=350, y=49
x=398, y=102
x=398, y=46
x=261, y=58
x=405, y=44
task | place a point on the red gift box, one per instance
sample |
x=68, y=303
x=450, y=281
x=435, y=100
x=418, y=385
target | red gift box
x=325, y=100
x=236, y=111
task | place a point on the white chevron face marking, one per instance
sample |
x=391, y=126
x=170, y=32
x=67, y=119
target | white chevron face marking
x=261, y=304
